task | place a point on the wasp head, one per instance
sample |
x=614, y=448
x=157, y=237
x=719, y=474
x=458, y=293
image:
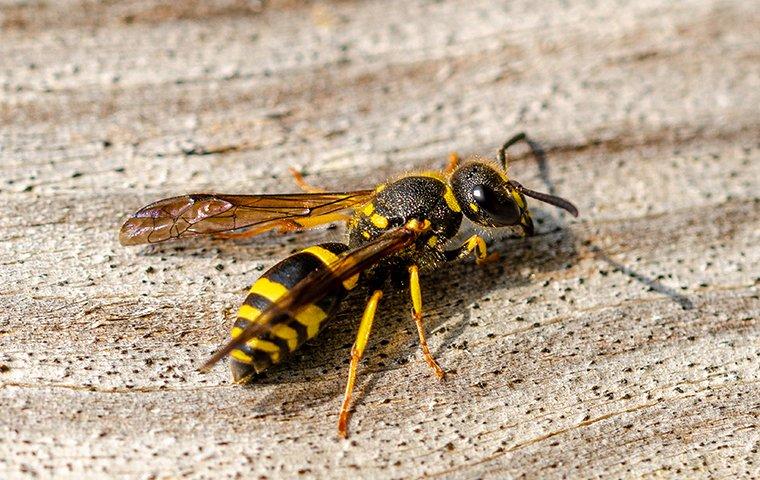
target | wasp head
x=489, y=198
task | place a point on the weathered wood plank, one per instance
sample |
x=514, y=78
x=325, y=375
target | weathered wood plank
x=622, y=344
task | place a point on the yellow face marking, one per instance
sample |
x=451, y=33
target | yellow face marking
x=378, y=220
x=286, y=333
x=518, y=198
x=240, y=356
x=329, y=258
x=432, y=241
x=368, y=209
x=451, y=200
x=311, y=317
x=365, y=234
x=248, y=312
x=474, y=207
x=268, y=289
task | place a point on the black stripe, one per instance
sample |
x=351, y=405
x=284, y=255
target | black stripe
x=293, y=269
x=257, y=301
x=330, y=302
x=300, y=330
x=281, y=343
x=261, y=361
x=242, y=323
x=241, y=371
x=334, y=247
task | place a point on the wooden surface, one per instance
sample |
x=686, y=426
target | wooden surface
x=622, y=344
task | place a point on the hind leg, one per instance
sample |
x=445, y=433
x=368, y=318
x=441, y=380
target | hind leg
x=362, y=336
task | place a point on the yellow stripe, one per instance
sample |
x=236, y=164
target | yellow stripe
x=451, y=200
x=329, y=258
x=286, y=333
x=368, y=209
x=474, y=207
x=326, y=256
x=432, y=241
x=236, y=331
x=380, y=188
x=247, y=312
x=240, y=356
x=378, y=220
x=263, y=345
x=268, y=289
x=434, y=174
x=311, y=317
x=272, y=349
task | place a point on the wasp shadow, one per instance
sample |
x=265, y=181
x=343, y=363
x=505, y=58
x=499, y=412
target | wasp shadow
x=652, y=284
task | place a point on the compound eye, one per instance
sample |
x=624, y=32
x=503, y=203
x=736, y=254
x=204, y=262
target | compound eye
x=499, y=207
x=480, y=196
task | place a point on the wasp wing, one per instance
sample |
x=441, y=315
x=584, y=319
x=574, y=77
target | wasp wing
x=320, y=283
x=202, y=214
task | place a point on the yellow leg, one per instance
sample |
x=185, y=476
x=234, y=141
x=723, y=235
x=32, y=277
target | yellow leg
x=453, y=163
x=474, y=244
x=414, y=286
x=303, y=184
x=356, y=355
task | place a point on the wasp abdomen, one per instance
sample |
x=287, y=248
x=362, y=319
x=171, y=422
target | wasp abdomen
x=287, y=332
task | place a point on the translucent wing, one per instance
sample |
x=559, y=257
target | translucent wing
x=202, y=214
x=321, y=282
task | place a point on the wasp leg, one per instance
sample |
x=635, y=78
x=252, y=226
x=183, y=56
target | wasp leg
x=414, y=286
x=303, y=184
x=356, y=355
x=474, y=244
x=453, y=163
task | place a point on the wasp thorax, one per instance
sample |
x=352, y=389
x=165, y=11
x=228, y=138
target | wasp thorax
x=485, y=195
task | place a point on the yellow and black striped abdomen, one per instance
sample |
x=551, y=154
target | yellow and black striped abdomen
x=288, y=333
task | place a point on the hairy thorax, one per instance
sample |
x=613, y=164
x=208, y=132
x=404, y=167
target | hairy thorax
x=421, y=197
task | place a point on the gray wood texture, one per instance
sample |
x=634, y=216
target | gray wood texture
x=623, y=344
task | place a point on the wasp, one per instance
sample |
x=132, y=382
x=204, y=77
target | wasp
x=394, y=231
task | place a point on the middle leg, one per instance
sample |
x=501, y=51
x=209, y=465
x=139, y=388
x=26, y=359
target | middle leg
x=414, y=286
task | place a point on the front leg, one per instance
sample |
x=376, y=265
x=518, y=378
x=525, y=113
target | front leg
x=475, y=244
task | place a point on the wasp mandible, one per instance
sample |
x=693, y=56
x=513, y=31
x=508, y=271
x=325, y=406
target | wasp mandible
x=395, y=230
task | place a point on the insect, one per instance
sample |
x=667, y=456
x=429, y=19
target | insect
x=394, y=231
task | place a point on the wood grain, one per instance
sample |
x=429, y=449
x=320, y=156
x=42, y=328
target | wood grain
x=624, y=344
